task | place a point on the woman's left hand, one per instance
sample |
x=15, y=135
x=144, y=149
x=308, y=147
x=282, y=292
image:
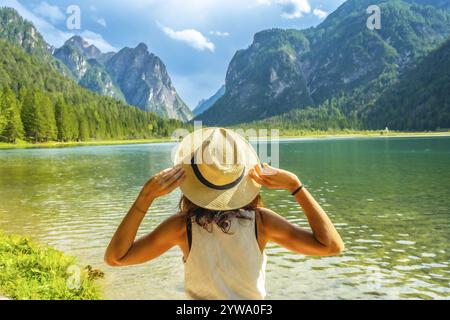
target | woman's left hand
x=274, y=178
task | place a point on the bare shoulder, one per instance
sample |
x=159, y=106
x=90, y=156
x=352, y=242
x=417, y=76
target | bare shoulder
x=171, y=230
x=266, y=215
x=177, y=220
x=175, y=224
x=271, y=222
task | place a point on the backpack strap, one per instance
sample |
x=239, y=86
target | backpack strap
x=189, y=233
x=256, y=224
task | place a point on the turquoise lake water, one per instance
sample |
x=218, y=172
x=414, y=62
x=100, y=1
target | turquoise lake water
x=389, y=198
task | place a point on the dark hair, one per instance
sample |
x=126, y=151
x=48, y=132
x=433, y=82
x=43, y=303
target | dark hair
x=205, y=217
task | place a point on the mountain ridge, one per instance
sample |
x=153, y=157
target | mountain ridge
x=205, y=104
x=144, y=81
x=39, y=104
x=87, y=65
x=22, y=33
x=421, y=96
x=338, y=57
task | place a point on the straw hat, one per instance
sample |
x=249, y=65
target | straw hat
x=217, y=162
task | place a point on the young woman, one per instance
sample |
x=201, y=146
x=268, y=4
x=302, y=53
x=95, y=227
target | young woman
x=222, y=227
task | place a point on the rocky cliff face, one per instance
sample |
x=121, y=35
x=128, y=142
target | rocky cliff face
x=89, y=51
x=80, y=57
x=132, y=75
x=145, y=83
x=290, y=69
x=22, y=33
x=97, y=79
x=345, y=55
x=74, y=59
x=263, y=80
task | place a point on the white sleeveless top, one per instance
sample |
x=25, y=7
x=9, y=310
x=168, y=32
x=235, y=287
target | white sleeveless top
x=226, y=266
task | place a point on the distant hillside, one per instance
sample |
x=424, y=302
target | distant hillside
x=39, y=104
x=421, y=98
x=204, y=105
x=443, y=4
x=19, y=32
x=81, y=59
x=341, y=59
x=134, y=76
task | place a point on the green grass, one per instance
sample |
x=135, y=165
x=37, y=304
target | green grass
x=359, y=133
x=29, y=271
x=52, y=144
x=303, y=133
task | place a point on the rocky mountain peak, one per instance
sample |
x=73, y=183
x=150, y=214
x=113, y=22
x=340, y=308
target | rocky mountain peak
x=145, y=83
x=89, y=50
x=133, y=75
x=92, y=52
x=296, y=69
x=77, y=41
x=142, y=47
x=267, y=35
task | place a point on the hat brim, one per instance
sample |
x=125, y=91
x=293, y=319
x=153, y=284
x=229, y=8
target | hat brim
x=220, y=200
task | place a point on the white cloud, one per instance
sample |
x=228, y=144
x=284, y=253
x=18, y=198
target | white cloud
x=291, y=9
x=97, y=40
x=264, y=2
x=219, y=33
x=102, y=22
x=320, y=13
x=52, y=13
x=191, y=37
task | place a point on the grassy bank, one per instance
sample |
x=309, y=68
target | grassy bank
x=356, y=134
x=53, y=144
x=283, y=135
x=31, y=271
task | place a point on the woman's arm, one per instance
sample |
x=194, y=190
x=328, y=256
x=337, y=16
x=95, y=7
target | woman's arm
x=123, y=249
x=324, y=240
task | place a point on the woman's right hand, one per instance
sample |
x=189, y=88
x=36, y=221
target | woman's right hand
x=274, y=178
x=163, y=183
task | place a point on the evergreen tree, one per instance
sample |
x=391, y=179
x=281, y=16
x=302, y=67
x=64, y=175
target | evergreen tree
x=30, y=117
x=2, y=113
x=12, y=128
x=83, y=126
x=46, y=117
x=64, y=121
x=53, y=107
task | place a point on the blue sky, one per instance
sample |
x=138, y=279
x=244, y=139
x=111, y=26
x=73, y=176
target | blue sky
x=196, y=39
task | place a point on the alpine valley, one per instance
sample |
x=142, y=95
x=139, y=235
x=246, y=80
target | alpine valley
x=42, y=98
x=336, y=76
x=134, y=76
x=341, y=74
